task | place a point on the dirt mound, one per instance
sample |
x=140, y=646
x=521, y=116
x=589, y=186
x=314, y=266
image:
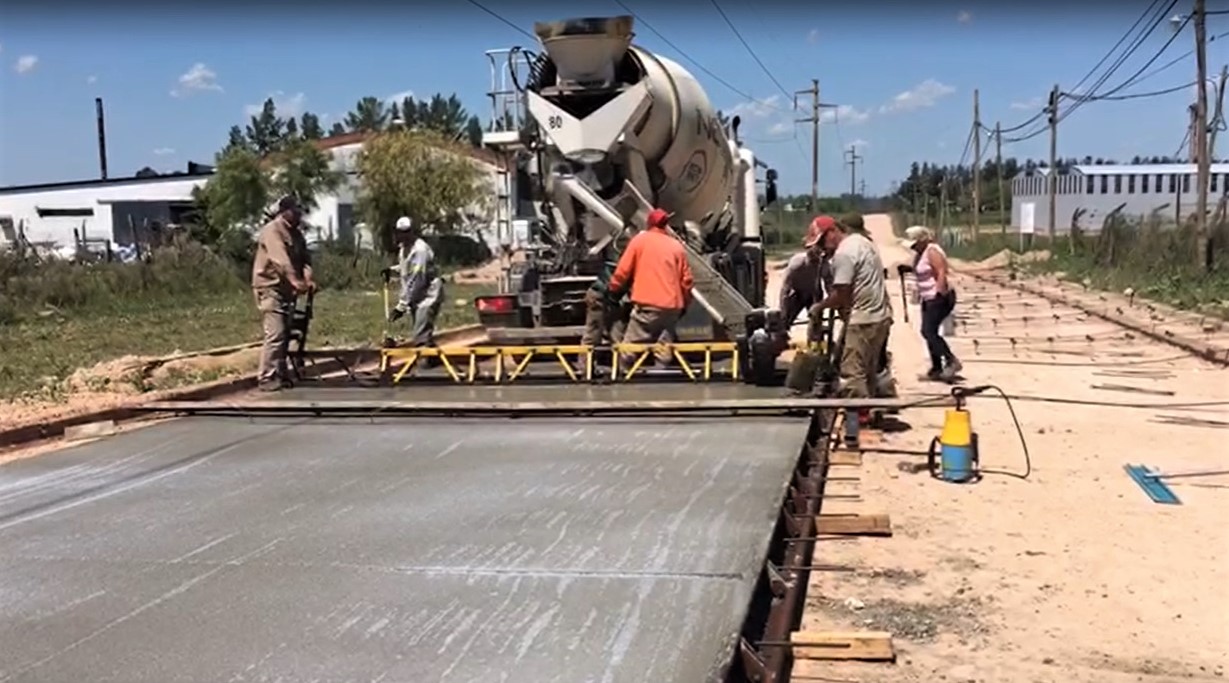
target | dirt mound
x=1006, y=257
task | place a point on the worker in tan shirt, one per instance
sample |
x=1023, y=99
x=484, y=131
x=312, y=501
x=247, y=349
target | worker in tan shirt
x=281, y=272
x=655, y=266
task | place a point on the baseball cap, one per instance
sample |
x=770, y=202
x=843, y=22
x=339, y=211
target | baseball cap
x=819, y=226
x=284, y=203
x=404, y=223
x=658, y=218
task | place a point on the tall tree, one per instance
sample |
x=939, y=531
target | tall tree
x=473, y=131
x=266, y=132
x=338, y=128
x=236, y=138
x=309, y=125
x=369, y=116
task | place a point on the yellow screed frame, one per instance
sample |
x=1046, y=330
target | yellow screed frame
x=461, y=362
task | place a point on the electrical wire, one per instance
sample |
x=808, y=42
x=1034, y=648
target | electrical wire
x=749, y=50
x=1141, y=95
x=1028, y=460
x=1139, y=41
x=1131, y=81
x=491, y=12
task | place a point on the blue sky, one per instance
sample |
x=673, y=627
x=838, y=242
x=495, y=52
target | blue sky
x=175, y=78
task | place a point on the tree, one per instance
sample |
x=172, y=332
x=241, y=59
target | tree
x=292, y=129
x=266, y=132
x=302, y=170
x=473, y=131
x=369, y=116
x=236, y=138
x=420, y=174
x=309, y=126
x=232, y=203
x=337, y=129
x=146, y=172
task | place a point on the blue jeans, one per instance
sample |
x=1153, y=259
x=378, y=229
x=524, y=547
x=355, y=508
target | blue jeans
x=934, y=312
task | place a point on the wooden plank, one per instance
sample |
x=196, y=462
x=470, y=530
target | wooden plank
x=845, y=458
x=871, y=646
x=853, y=525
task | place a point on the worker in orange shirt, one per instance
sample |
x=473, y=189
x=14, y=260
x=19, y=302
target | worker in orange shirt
x=654, y=264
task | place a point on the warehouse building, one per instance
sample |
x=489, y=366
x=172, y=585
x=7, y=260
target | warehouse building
x=1096, y=190
x=116, y=213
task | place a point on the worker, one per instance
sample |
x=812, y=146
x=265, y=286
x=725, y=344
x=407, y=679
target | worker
x=654, y=267
x=853, y=220
x=603, y=311
x=422, y=288
x=938, y=297
x=281, y=271
x=859, y=293
x=802, y=282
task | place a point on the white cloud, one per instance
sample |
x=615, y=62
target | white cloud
x=925, y=94
x=859, y=143
x=782, y=128
x=91, y=79
x=964, y=16
x=844, y=114
x=399, y=96
x=25, y=64
x=163, y=151
x=813, y=36
x=1029, y=105
x=198, y=78
x=286, y=106
x=757, y=108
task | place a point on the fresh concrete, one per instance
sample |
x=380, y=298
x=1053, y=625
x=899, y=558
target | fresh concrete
x=397, y=550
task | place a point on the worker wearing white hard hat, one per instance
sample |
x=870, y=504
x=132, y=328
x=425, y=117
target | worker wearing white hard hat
x=422, y=288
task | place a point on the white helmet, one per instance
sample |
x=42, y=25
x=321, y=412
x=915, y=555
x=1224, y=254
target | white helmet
x=404, y=223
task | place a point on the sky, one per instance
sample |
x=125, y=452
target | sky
x=175, y=77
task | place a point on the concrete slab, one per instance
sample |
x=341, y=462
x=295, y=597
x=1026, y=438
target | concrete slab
x=396, y=550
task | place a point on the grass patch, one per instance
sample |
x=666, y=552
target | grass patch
x=1153, y=259
x=37, y=353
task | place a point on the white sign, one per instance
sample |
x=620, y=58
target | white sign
x=1028, y=218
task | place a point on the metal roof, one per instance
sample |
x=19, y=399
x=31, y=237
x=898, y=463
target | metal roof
x=1137, y=169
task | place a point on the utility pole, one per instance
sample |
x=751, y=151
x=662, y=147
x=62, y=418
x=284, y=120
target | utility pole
x=1201, y=131
x=998, y=172
x=813, y=119
x=976, y=167
x=1053, y=175
x=852, y=159
x=1218, y=114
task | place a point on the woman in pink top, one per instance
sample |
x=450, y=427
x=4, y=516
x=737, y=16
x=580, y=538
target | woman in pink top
x=938, y=301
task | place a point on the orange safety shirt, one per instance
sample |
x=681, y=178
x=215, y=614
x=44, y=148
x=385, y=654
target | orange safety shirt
x=656, y=264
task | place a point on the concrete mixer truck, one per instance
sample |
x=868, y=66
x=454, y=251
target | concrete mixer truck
x=595, y=131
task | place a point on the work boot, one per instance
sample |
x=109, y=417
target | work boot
x=932, y=375
x=270, y=386
x=951, y=370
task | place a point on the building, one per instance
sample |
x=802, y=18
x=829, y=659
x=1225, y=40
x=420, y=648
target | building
x=116, y=212
x=1166, y=189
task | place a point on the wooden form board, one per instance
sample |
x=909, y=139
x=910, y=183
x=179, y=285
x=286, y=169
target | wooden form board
x=873, y=646
x=853, y=525
x=845, y=458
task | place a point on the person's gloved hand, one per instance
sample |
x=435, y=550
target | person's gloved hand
x=592, y=298
x=395, y=314
x=903, y=268
x=387, y=274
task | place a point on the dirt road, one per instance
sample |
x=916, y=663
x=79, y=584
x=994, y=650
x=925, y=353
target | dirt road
x=1073, y=574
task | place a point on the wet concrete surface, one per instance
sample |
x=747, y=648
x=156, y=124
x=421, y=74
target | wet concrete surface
x=389, y=550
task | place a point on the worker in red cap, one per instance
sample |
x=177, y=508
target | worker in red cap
x=654, y=267
x=805, y=278
x=859, y=292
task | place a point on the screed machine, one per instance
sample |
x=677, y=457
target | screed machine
x=463, y=529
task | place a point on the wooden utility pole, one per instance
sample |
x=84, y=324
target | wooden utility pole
x=1053, y=175
x=976, y=168
x=998, y=173
x=1201, y=132
x=852, y=159
x=813, y=119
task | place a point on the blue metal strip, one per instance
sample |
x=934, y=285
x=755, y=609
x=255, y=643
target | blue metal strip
x=1152, y=485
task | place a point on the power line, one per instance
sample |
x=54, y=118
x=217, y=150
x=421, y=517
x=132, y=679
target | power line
x=1141, y=95
x=1131, y=81
x=491, y=12
x=749, y=50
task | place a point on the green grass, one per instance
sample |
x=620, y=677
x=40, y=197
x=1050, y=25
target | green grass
x=37, y=353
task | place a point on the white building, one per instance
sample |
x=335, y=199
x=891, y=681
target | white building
x=1093, y=191
x=58, y=216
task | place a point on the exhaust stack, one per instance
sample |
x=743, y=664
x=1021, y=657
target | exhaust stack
x=102, y=139
x=586, y=51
